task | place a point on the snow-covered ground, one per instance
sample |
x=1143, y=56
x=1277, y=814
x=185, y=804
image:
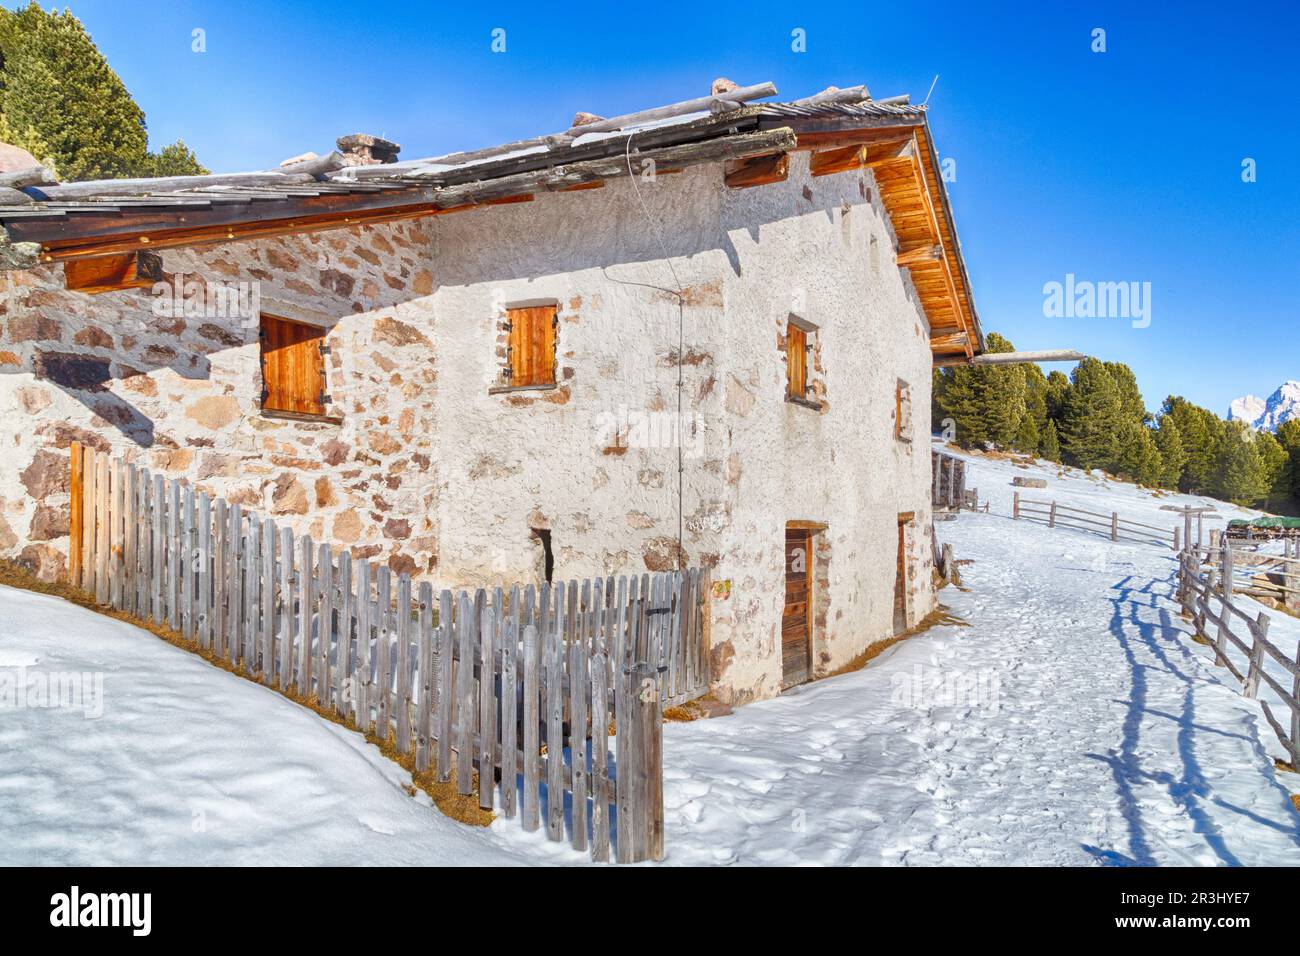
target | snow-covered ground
x=1072, y=721
x=165, y=759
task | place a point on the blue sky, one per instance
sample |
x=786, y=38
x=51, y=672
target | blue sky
x=1115, y=166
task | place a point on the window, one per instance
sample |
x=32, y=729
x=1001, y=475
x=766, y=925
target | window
x=530, y=355
x=293, y=367
x=903, y=411
x=796, y=360
x=799, y=338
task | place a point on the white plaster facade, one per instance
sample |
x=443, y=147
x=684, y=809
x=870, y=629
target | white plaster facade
x=442, y=474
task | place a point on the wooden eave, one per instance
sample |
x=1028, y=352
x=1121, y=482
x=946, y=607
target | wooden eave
x=911, y=188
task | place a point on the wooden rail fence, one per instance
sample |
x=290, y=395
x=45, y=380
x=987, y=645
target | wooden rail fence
x=1116, y=528
x=519, y=685
x=1199, y=589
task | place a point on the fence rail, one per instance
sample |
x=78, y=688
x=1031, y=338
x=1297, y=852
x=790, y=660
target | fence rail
x=1066, y=516
x=1199, y=589
x=519, y=684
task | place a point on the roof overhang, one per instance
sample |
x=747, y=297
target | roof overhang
x=74, y=221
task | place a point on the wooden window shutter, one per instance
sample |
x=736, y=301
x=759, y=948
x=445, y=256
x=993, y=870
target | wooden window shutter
x=293, y=367
x=532, y=345
x=796, y=360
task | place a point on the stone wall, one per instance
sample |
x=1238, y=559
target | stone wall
x=181, y=393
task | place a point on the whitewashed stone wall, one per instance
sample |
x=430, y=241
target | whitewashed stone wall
x=436, y=470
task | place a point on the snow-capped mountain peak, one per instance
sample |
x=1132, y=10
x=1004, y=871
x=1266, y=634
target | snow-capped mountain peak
x=1282, y=406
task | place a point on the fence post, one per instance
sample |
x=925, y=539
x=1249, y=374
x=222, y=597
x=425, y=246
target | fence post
x=1051, y=518
x=1015, y=506
x=646, y=765
x=1176, y=541
x=1114, y=526
x=1259, y=633
x=1226, y=560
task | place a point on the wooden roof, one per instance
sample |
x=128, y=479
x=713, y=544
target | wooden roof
x=843, y=129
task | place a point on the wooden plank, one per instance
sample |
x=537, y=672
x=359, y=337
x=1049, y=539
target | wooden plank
x=140, y=580
x=269, y=577
x=235, y=547
x=175, y=554
x=579, y=689
x=362, y=690
x=532, y=724
x=77, y=511
x=425, y=679
x=344, y=667
x=445, y=693
x=203, y=572
x=464, y=694
x=286, y=615
x=509, y=690
x=130, y=532
x=402, y=709
x=487, y=708
x=306, y=610
x=252, y=595
x=324, y=622
x=600, y=756
x=650, y=770
x=220, y=577
x=158, y=510
x=88, y=470
x=383, y=687
x=102, y=526
x=624, y=739
x=116, y=553
x=757, y=171
x=185, y=566
x=555, y=717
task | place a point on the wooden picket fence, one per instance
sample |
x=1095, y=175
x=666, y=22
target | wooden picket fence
x=1206, y=593
x=519, y=686
x=1057, y=515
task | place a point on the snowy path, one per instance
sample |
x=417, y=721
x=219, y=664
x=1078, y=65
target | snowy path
x=1111, y=738
x=191, y=765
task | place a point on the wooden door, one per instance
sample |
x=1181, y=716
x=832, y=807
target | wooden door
x=796, y=649
x=900, y=579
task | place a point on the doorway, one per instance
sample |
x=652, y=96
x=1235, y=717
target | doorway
x=796, y=646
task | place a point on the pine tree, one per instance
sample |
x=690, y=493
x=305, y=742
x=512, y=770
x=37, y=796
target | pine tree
x=1174, y=457
x=1092, y=416
x=1027, y=437
x=985, y=402
x=1238, y=473
x=1273, y=461
x=1200, y=431
x=1138, y=458
x=1050, y=448
x=60, y=100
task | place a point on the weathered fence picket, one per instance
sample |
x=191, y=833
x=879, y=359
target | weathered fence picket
x=521, y=685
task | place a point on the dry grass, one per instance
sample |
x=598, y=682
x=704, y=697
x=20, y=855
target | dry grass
x=458, y=806
x=939, y=616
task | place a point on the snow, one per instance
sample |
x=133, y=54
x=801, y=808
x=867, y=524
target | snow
x=189, y=764
x=1280, y=407
x=1072, y=721
x=1102, y=733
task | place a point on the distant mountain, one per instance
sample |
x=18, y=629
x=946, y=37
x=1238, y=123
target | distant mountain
x=1267, y=413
